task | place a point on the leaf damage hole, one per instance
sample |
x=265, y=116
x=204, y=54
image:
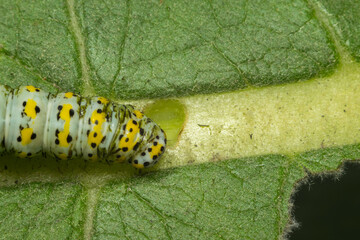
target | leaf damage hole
x=327, y=206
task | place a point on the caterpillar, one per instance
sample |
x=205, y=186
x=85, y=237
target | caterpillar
x=65, y=125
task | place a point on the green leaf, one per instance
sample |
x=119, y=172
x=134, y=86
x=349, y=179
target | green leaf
x=345, y=17
x=262, y=93
x=134, y=49
x=236, y=199
x=224, y=200
x=42, y=211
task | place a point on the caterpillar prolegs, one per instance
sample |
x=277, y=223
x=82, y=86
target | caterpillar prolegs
x=66, y=125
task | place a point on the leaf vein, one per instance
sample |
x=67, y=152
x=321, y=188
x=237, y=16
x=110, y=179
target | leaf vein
x=79, y=41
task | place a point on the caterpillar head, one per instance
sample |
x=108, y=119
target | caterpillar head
x=151, y=152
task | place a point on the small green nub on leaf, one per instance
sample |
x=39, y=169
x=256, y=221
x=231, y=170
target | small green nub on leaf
x=170, y=115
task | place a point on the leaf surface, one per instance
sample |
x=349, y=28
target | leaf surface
x=42, y=211
x=262, y=93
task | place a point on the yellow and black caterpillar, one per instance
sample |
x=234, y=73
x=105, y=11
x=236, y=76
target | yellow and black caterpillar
x=66, y=125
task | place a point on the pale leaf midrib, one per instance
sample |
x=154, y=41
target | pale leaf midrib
x=79, y=41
